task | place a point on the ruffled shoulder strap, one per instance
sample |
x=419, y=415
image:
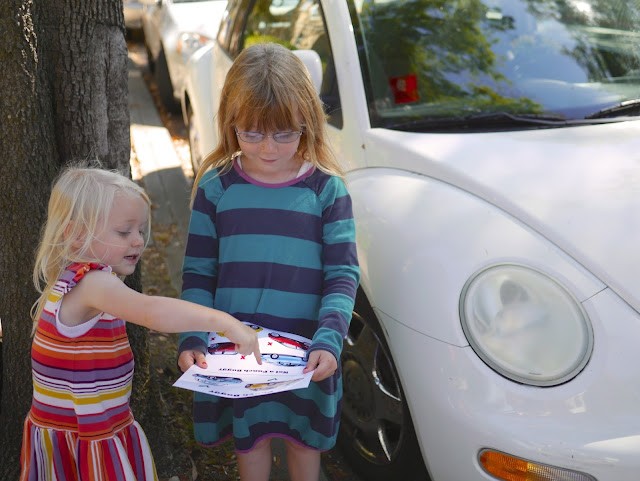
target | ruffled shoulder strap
x=75, y=272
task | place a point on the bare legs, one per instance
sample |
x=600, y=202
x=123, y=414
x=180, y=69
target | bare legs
x=303, y=462
x=255, y=465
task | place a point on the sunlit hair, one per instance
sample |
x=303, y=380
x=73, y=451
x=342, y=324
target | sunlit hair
x=79, y=207
x=269, y=89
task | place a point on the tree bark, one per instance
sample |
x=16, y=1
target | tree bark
x=64, y=99
x=29, y=163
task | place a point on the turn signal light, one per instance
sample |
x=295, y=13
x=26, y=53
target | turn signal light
x=505, y=467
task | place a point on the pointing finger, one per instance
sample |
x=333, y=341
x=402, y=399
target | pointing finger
x=256, y=352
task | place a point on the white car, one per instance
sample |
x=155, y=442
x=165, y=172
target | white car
x=173, y=30
x=492, y=152
x=132, y=10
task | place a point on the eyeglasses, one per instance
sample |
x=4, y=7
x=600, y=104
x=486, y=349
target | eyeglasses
x=280, y=137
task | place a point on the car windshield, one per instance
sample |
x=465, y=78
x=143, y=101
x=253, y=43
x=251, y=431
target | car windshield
x=432, y=63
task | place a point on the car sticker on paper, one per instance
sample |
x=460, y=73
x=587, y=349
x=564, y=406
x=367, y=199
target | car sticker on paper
x=233, y=375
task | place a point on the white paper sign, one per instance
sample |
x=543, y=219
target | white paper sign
x=233, y=375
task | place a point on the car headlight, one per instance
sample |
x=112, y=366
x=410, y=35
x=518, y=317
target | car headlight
x=525, y=325
x=189, y=42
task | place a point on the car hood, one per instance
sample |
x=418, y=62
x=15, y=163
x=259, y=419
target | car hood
x=200, y=17
x=579, y=187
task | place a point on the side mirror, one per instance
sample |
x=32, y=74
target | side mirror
x=312, y=61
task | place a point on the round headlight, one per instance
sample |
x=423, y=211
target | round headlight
x=189, y=42
x=525, y=325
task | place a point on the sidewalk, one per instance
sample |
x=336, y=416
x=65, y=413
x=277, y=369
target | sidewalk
x=161, y=171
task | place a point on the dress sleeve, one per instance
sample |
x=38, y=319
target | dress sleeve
x=340, y=266
x=200, y=265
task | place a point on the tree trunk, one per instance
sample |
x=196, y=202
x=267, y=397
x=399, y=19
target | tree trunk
x=30, y=161
x=64, y=99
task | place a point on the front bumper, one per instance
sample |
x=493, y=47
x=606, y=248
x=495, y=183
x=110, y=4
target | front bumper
x=589, y=424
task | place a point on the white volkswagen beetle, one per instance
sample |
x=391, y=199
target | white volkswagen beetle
x=173, y=30
x=492, y=151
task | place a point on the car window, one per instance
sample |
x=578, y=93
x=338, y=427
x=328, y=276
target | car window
x=232, y=24
x=296, y=24
x=560, y=59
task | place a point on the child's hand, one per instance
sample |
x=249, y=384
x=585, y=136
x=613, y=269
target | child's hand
x=324, y=363
x=189, y=358
x=245, y=339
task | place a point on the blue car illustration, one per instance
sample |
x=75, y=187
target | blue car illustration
x=216, y=380
x=284, y=359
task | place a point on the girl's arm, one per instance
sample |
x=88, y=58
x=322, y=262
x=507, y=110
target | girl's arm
x=341, y=270
x=200, y=264
x=103, y=292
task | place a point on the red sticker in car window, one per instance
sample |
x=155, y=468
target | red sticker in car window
x=405, y=88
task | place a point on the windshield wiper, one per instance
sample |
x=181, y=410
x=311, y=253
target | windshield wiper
x=516, y=119
x=483, y=121
x=623, y=108
x=489, y=120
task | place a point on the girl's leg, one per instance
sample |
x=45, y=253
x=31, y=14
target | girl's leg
x=303, y=462
x=255, y=465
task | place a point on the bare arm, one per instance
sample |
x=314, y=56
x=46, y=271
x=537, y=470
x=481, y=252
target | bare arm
x=103, y=292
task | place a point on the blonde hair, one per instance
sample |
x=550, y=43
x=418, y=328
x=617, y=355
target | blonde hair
x=270, y=89
x=80, y=202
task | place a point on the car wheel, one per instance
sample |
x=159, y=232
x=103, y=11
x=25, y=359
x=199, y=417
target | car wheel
x=376, y=434
x=194, y=139
x=163, y=80
x=151, y=62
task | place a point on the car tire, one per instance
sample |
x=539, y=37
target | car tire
x=378, y=448
x=165, y=87
x=151, y=62
x=194, y=137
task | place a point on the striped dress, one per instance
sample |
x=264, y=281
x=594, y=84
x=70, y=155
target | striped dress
x=282, y=256
x=80, y=426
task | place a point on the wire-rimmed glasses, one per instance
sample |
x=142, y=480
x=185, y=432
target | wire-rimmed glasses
x=285, y=137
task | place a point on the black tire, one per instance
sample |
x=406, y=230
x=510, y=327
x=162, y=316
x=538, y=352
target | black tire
x=165, y=87
x=151, y=62
x=194, y=137
x=376, y=436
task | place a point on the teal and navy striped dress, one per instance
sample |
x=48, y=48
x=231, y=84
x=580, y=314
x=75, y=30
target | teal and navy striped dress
x=282, y=256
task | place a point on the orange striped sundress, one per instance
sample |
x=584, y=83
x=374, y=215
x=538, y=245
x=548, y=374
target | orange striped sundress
x=80, y=426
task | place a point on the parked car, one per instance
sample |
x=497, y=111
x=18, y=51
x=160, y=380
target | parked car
x=173, y=30
x=132, y=10
x=492, y=153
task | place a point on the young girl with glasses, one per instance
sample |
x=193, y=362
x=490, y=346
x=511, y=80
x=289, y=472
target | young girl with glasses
x=272, y=241
x=80, y=425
